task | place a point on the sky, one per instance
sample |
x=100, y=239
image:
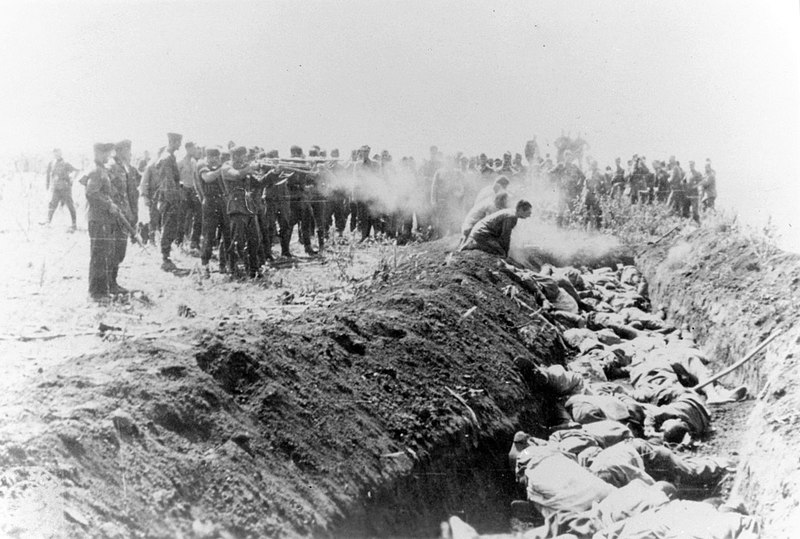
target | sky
x=712, y=79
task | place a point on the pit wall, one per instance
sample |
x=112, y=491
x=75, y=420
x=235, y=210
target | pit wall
x=733, y=293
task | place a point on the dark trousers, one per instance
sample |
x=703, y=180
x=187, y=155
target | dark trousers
x=339, y=208
x=61, y=195
x=101, y=252
x=244, y=244
x=320, y=217
x=170, y=212
x=271, y=210
x=367, y=219
x=295, y=210
x=215, y=221
x=191, y=217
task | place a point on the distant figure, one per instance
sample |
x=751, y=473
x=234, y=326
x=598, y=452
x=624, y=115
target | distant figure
x=709, y=185
x=492, y=234
x=59, y=174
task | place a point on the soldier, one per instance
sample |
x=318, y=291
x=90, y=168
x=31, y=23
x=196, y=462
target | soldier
x=148, y=190
x=168, y=198
x=693, y=183
x=273, y=196
x=316, y=194
x=592, y=212
x=241, y=213
x=191, y=211
x=569, y=182
x=709, y=185
x=365, y=175
x=125, y=194
x=677, y=188
x=102, y=216
x=215, y=214
x=59, y=174
x=662, y=181
x=339, y=200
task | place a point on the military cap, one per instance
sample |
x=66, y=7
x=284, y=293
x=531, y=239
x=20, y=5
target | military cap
x=174, y=137
x=212, y=152
x=123, y=145
x=314, y=151
x=103, y=147
x=272, y=154
x=238, y=151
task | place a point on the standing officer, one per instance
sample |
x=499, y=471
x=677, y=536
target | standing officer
x=243, y=242
x=215, y=214
x=102, y=215
x=125, y=194
x=168, y=198
x=59, y=173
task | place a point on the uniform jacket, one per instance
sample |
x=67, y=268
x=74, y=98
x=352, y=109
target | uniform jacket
x=125, y=189
x=239, y=200
x=98, y=195
x=169, y=179
x=58, y=174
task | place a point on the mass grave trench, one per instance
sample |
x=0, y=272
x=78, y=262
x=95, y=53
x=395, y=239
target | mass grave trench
x=398, y=406
x=733, y=292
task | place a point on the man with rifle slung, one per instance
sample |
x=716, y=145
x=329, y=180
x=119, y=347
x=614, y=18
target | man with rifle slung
x=124, y=193
x=102, y=216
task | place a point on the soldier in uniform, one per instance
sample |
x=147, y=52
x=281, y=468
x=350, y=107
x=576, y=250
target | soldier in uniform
x=709, y=186
x=59, y=174
x=238, y=179
x=339, y=198
x=102, y=216
x=366, y=173
x=125, y=194
x=677, y=188
x=215, y=213
x=168, y=197
x=148, y=189
x=693, y=183
x=447, y=193
x=190, y=219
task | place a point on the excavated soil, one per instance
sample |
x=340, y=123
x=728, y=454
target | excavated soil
x=374, y=416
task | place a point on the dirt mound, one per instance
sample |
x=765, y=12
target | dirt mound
x=379, y=415
x=733, y=293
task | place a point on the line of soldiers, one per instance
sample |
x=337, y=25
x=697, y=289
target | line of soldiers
x=240, y=200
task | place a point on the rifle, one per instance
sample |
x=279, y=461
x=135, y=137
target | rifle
x=134, y=234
